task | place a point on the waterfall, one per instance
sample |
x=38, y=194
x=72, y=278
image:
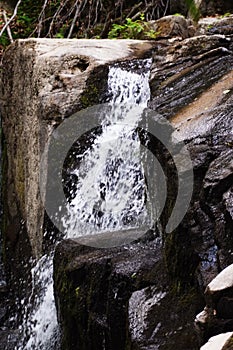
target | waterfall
x=114, y=196
x=117, y=190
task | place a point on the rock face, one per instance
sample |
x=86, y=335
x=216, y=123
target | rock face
x=191, y=84
x=43, y=82
x=200, y=110
x=119, y=298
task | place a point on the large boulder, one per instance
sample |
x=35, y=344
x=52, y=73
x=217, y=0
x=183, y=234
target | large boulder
x=44, y=81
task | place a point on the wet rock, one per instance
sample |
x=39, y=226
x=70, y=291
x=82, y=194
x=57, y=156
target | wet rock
x=179, y=66
x=141, y=305
x=117, y=298
x=224, y=308
x=9, y=339
x=3, y=287
x=97, y=285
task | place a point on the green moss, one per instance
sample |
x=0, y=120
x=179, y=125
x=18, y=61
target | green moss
x=90, y=96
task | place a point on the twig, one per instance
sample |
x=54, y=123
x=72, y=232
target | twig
x=74, y=20
x=60, y=8
x=166, y=8
x=11, y=19
x=135, y=7
x=8, y=27
x=41, y=17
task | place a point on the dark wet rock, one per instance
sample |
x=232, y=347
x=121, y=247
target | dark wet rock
x=3, y=287
x=179, y=67
x=117, y=298
x=9, y=339
x=224, y=308
x=180, y=85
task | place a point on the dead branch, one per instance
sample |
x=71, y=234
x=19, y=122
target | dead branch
x=41, y=17
x=8, y=27
x=134, y=8
x=11, y=19
x=74, y=19
x=57, y=13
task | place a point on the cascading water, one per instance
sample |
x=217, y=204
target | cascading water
x=113, y=196
x=110, y=195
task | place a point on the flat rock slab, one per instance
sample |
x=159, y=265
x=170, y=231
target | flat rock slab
x=217, y=342
x=222, y=281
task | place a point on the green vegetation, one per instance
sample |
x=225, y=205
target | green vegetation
x=132, y=30
x=227, y=14
x=193, y=10
x=87, y=19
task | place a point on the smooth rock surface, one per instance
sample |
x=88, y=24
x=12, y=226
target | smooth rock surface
x=217, y=342
x=223, y=280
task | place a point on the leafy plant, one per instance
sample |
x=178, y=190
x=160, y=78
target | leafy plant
x=132, y=30
x=152, y=34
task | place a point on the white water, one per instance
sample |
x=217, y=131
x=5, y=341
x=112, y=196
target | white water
x=113, y=196
x=123, y=201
